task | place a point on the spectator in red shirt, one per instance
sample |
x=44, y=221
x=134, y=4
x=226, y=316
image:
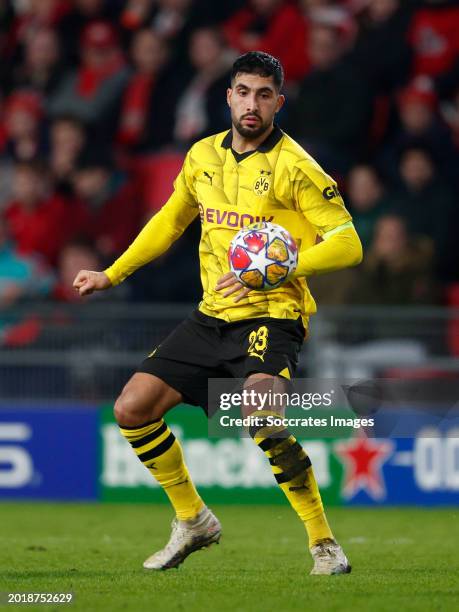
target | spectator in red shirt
x=93, y=92
x=40, y=70
x=82, y=14
x=274, y=26
x=22, y=116
x=37, y=14
x=149, y=55
x=39, y=220
x=113, y=207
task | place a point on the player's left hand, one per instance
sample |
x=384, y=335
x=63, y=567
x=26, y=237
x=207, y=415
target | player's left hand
x=232, y=285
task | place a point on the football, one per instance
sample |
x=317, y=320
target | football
x=263, y=255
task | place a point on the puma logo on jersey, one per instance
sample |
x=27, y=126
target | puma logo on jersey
x=209, y=176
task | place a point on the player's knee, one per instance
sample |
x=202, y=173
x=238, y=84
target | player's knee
x=129, y=410
x=264, y=391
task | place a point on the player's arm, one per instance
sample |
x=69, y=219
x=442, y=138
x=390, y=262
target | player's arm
x=340, y=247
x=155, y=238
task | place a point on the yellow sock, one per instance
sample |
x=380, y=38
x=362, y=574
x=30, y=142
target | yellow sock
x=161, y=453
x=293, y=472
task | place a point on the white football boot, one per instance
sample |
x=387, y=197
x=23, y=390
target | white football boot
x=329, y=559
x=186, y=537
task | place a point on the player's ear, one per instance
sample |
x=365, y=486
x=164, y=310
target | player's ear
x=280, y=102
x=229, y=93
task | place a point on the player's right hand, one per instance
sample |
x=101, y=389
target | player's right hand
x=87, y=281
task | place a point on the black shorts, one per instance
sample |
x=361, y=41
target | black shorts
x=203, y=347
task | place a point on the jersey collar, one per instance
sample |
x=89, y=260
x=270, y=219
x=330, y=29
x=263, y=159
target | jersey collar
x=268, y=143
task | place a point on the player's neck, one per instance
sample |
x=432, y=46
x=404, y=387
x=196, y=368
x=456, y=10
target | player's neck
x=242, y=145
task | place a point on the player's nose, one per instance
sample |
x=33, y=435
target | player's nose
x=251, y=102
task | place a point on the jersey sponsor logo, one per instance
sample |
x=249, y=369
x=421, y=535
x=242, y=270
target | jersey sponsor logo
x=231, y=218
x=263, y=183
x=331, y=192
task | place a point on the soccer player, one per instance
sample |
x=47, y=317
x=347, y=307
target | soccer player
x=231, y=179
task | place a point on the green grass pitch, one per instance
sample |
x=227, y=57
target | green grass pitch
x=403, y=559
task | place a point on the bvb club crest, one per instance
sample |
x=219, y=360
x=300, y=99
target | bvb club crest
x=263, y=183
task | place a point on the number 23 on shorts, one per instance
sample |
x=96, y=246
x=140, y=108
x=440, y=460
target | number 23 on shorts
x=258, y=342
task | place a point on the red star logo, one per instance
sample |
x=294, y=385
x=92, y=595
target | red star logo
x=363, y=459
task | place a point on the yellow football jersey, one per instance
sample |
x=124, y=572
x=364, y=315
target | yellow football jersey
x=278, y=182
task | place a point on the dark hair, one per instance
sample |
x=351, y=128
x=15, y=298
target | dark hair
x=214, y=31
x=258, y=62
x=419, y=146
x=368, y=165
x=69, y=118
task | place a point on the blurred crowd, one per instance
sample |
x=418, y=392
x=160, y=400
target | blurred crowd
x=100, y=99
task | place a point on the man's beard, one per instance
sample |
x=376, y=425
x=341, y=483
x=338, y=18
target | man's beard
x=251, y=133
